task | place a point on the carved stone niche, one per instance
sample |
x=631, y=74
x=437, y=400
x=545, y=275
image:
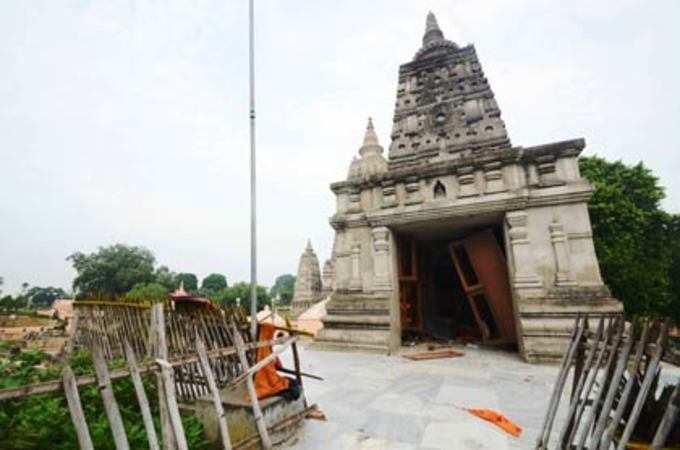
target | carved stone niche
x=466, y=180
x=547, y=174
x=493, y=174
x=413, y=194
x=354, y=203
x=560, y=244
x=524, y=275
x=381, y=258
x=389, y=194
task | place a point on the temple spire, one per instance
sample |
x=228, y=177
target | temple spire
x=370, y=138
x=432, y=31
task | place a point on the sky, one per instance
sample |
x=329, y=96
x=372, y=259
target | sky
x=127, y=121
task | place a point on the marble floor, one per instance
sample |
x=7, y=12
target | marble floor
x=389, y=402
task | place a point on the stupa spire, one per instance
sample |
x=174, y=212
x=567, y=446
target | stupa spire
x=371, y=144
x=432, y=31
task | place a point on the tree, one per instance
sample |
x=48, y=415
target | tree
x=2, y=281
x=214, y=282
x=190, y=281
x=153, y=292
x=284, y=286
x=241, y=290
x=637, y=243
x=44, y=296
x=112, y=271
x=166, y=278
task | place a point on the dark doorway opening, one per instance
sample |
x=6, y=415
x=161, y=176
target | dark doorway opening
x=454, y=286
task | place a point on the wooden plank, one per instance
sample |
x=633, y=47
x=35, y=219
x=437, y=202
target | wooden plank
x=440, y=354
x=74, y=406
x=611, y=393
x=161, y=353
x=668, y=420
x=170, y=399
x=141, y=397
x=623, y=400
x=257, y=412
x=544, y=437
x=618, y=325
x=260, y=364
x=217, y=400
x=650, y=373
x=110, y=405
x=569, y=422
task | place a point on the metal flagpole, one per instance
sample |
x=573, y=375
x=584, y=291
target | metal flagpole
x=253, y=221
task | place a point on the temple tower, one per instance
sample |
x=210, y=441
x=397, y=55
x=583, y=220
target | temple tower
x=308, y=281
x=459, y=231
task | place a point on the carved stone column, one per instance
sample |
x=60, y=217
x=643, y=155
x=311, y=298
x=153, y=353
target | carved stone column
x=355, y=283
x=381, y=259
x=524, y=276
x=563, y=275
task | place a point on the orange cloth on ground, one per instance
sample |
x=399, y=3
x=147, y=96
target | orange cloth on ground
x=497, y=419
x=267, y=380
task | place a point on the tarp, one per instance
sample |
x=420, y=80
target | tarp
x=267, y=380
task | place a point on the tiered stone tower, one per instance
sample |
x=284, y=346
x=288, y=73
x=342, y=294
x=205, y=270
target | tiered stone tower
x=451, y=165
x=307, y=283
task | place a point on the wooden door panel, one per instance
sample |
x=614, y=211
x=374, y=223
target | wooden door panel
x=488, y=262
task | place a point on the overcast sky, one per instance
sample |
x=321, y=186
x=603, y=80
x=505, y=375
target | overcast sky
x=126, y=121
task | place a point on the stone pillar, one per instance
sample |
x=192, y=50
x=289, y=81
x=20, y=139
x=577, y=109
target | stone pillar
x=525, y=275
x=563, y=275
x=355, y=283
x=381, y=259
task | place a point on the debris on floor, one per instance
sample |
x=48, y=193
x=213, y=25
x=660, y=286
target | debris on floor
x=440, y=354
x=316, y=414
x=497, y=419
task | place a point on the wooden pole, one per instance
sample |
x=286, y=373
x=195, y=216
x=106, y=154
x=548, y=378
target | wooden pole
x=257, y=412
x=668, y=420
x=110, y=405
x=74, y=406
x=217, y=400
x=160, y=349
x=168, y=383
x=141, y=397
x=650, y=373
x=623, y=400
x=544, y=437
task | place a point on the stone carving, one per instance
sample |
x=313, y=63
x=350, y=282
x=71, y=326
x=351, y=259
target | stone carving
x=308, y=281
x=355, y=283
x=563, y=276
x=381, y=258
x=328, y=275
x=524, y=276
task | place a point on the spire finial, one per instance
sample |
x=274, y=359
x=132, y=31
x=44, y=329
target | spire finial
x=370, y=138
x=432, y=31
x=309, y=245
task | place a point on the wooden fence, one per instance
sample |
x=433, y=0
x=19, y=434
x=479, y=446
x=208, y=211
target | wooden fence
x=614, y=368
x=194, y=351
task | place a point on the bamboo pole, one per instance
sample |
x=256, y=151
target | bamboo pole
x=161, y=353
x=257, y=412
x=650, y=373
x=76, y=409
x=141, y=397
x=217, y=400
x=168, y=382
x=668, y=420
x=109, y=400
x=577, y=332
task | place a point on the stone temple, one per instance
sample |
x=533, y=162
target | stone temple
x=457, y=233
x=307, y=283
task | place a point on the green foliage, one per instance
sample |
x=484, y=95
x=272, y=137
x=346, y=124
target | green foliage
x=637, y=243
x=284, y=286
x=9, y=304
x=143, y=292
x=166, y=278
x=112, y=271
x=43, y=421
x=44, y=296
x=190, y=281
x=214, y=282
x=241, y=290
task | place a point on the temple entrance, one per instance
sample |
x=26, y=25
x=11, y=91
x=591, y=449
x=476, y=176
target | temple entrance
x=453, y=285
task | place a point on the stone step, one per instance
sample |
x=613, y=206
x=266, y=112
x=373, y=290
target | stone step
x=548, y=307
x=348, y=347
x=370, y=337
x=365, y=320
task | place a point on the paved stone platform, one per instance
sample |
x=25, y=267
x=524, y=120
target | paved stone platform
x=389, y=402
